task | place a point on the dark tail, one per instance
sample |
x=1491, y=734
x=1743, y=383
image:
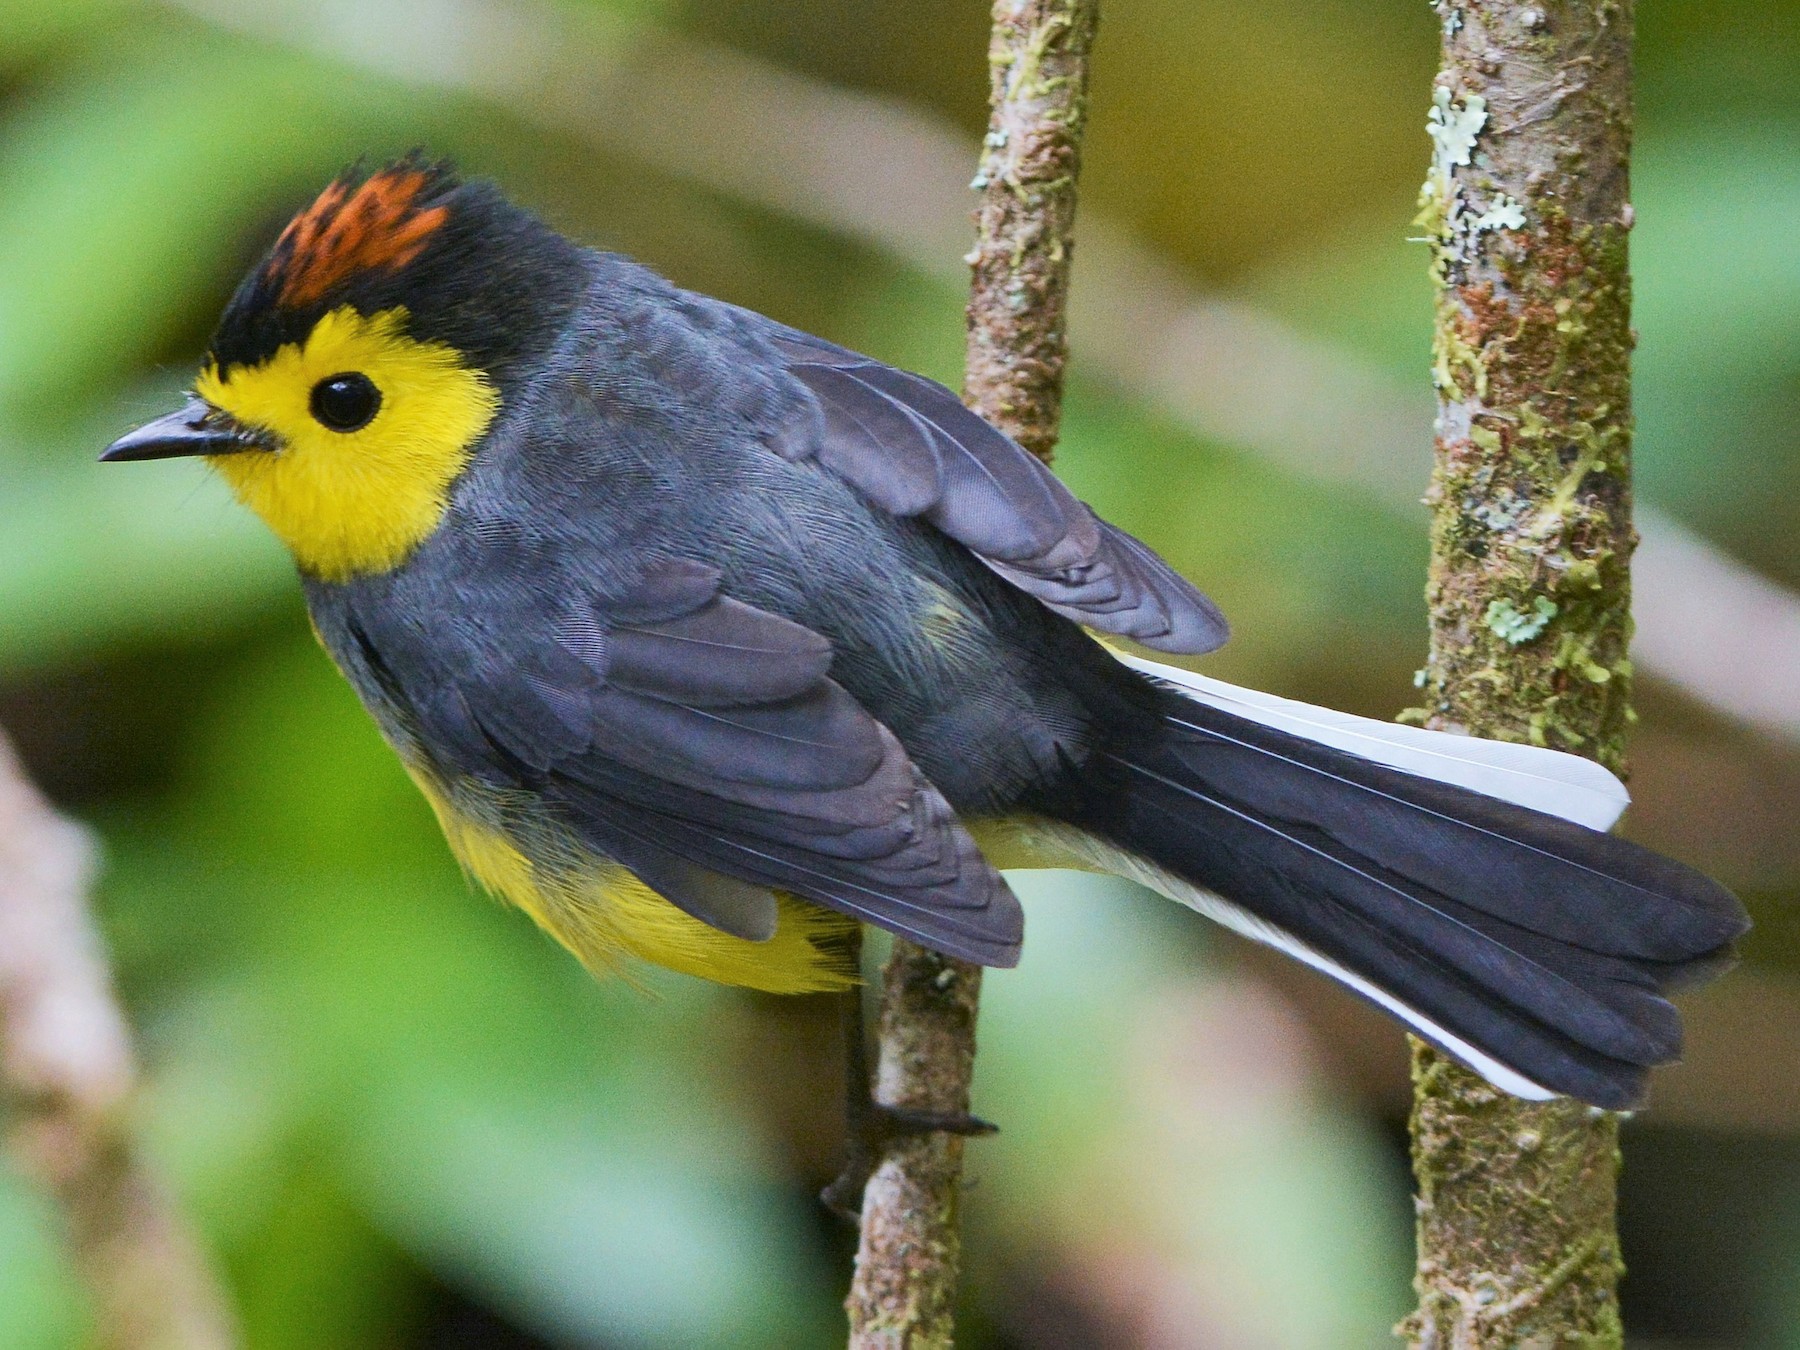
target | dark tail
x=1535, y=949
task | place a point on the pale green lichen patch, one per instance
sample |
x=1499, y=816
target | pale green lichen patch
x=1453, y=225
x=1591, y=443
x=1504, y=214
x=1453, y=124
x=1576, y=653
x=1516, y=626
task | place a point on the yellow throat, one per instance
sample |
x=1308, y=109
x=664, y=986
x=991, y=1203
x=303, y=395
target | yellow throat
x=349, y=503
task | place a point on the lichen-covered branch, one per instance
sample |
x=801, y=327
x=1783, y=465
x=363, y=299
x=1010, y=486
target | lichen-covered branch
x=908, y=1261
x=1019, y=294
x=1527, y=212
x=909, y=1257
x=66, y=1080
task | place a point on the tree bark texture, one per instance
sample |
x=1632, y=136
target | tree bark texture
x=1025, y=225
x=67, y=1077
x=908, y=1261
x=1527, y=213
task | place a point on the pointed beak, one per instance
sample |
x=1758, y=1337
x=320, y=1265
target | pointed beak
x=186, y=432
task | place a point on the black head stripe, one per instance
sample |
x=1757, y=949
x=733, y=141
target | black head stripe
x=470, y=269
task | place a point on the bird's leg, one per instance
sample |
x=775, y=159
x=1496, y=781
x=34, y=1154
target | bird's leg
x=863, y=1145
x=871, y=1125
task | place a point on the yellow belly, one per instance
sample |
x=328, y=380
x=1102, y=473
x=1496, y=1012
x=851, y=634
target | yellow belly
x=604, y=915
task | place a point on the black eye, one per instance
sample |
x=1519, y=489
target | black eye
x=346, y=402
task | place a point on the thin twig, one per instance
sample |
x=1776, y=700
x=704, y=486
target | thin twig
x=1528, y=213
x=909, y=1259
x=68, y=1075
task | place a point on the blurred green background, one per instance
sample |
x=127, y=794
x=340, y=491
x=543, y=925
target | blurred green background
x=402, y=1117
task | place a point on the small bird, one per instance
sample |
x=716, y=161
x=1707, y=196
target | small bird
x=708, y=640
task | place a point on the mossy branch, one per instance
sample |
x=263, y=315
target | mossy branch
x=908, y=1262
x=1527, y=212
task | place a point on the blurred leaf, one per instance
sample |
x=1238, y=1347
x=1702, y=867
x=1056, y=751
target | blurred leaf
x=126, y=192
x=287, y=769
x=320, y=1277
x=31, y=30
x=1226, y=1172
x=93, y=554
x=560, y=1147
x=41, y=1307
x=1718, y=306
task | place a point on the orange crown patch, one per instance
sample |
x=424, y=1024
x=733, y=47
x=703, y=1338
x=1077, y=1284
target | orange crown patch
x=355, y=228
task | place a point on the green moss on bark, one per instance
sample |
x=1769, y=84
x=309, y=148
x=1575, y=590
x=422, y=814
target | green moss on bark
x=1531, y=489
x=1532, y=1263
x=1528, y=219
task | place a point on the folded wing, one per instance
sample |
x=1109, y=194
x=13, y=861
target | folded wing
x=701, y=743
x=911, y=447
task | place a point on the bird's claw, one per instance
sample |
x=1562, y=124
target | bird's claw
x=873, y=1126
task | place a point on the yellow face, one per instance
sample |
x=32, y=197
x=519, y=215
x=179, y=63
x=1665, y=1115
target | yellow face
x=347, y=494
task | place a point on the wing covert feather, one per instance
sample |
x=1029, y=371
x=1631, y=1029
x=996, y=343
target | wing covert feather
x=701, y=743
x=910, y=446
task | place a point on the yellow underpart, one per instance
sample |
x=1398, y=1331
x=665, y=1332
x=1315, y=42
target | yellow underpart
x=1025, y=843
x=347, y=503
x=602, y=913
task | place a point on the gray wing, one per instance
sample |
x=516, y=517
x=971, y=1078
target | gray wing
x=911, y=447
x=701, y=743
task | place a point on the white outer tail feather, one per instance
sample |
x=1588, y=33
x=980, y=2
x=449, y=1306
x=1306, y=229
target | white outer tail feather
x=1550, y=781
x=1557, y=784
x=1105, y=857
